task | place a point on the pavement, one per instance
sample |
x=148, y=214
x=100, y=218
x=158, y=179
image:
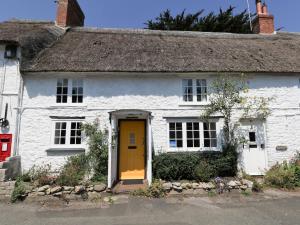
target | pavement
x=271, y=208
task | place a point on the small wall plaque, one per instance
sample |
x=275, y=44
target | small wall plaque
x=281, y=148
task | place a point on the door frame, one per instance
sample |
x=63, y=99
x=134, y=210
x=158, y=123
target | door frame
x=145, y=145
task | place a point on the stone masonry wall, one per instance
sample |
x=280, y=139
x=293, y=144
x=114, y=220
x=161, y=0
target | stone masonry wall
x=6, y=189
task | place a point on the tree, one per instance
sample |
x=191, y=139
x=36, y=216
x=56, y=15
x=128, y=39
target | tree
x=229, y=94
x=225, y=21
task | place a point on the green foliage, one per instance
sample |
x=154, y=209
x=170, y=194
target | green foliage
x=94, y=162
x=283, y=176
x=156, y=190
x=98, y=150
x=73, y=171
x=246, y=193
x=189, y=165
x=257, y=187
x=19, y=191
x=224, y=21
x=211, y=193
x=204, y=171
x=39, y=175
x=227, y=94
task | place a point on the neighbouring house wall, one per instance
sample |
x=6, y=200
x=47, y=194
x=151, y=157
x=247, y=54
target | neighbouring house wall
x=159, y=94
x=9, y=91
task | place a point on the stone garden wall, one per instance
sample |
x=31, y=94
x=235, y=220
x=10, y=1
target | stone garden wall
x=6, y=189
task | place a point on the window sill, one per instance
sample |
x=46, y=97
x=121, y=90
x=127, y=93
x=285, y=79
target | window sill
x=69, y=105
x=193, y=103
x=192, y=150
x=66, y=148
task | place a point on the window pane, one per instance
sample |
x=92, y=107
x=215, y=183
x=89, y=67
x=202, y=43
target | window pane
x=65, y=82
x=196, y=143
x=206, y=134
x=252, y=137
x=175, y=135
x=214, y=143
x=179, y=134
x=56, y=141
x=75, y=133
x=213, y=134
x=189, y=134
x=172, y=126
x=196, y=126
x=178, y=126
x=196, y=134
x=77, y=91
x=187, y=90
x=173, y=144
x=63, y=133
x=205, y=126
x=65, y=99
x=206, y=143
x=201, y=90
x=72, y=141
x=190, y=143
x=179, y=143
x=212, y=126
x=63, y=141
x=189, y=126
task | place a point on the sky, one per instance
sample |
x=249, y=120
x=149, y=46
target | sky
x=134, y=13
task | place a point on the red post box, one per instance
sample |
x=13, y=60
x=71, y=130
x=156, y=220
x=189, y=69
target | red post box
x=5, y=146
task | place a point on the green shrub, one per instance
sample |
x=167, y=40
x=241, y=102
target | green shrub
x=39, y=175
x=257, y=187
x=98, y=150
x=19, y=191
x=73, y=171
x=297, y=175
x=282, y=176
x=94, y=162
x=204, y=171
x=182, y=166
x=156, y=190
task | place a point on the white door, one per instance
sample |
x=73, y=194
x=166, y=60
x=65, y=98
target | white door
x=253, y=150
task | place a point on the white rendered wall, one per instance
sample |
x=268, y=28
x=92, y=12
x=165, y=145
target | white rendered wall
x=9, y=90
x=160, y=94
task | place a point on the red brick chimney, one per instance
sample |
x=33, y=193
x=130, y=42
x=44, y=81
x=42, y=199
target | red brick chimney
x=264, y=22
x=69, y=14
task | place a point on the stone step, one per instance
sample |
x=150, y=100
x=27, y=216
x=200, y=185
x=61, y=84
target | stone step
x=2, y=175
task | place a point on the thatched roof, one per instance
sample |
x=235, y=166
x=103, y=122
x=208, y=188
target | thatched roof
x=121, y=50
x=31, y=36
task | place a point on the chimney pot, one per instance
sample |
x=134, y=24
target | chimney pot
x=69, y=14
x=264, y=22
x=265, y=9
x=258, y=7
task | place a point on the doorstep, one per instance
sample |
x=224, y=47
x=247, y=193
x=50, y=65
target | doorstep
x=123, y=187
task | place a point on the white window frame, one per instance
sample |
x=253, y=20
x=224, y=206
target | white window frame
x=67, y=145
x=184, y=136
x=194, y=102
x=70, y=90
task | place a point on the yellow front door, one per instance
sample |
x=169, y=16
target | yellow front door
x=132, y=150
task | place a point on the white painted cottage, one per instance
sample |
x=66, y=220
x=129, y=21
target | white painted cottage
x=147, y=89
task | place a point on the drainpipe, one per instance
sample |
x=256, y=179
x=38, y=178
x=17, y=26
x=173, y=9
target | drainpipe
x=109, y=175
x=2, y=84
x=19, y=112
